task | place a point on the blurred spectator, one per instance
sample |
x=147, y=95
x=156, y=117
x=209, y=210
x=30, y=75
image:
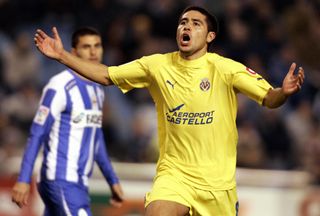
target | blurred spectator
x=280, y=60
x=12, y=140
x=238, y=35
x=302, y=22
x=165, y=14
x=4, y=124
x=20, y=62
x=117, y=120
x=115, y=35
x=278, y=147
x=316, y=105
x=21, y=105
x=144, y=127
x=251, y=151
x=300, y=126
x=312, y=152
x=8, y=9
x=2, y=83
x=96, y=13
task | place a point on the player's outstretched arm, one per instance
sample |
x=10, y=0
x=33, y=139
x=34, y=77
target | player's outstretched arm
x=52, y=47
x=291, y=84
x=20, y=193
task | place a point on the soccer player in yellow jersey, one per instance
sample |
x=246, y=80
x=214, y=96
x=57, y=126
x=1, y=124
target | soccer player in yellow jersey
x=195, y=94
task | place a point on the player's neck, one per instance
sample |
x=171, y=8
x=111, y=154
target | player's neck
x=192, y=55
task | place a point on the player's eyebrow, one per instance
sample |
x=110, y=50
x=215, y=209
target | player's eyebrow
x=192, y=19
x=196, y=20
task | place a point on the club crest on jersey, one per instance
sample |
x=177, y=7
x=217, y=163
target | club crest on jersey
x=205, y=84
x=251, y=71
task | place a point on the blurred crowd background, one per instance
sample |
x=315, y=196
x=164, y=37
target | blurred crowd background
x=265, y=35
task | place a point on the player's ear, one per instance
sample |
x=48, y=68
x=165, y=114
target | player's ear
x=73, y=51
x=211, y=36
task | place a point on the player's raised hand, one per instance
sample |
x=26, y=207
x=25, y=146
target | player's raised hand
x=52, y=47
x=293, y=82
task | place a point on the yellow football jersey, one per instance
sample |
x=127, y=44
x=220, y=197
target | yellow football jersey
x=196, y=105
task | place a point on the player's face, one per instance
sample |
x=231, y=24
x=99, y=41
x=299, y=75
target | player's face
x=192, y=35
x=89, y=48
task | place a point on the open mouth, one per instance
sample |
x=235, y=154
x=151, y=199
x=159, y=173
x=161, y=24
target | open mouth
x=185, y=38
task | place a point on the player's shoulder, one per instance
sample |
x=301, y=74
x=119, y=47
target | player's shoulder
x=156, y=60
x=225, y=64
x=60, y=80
x=158, y=57
x=221, y=60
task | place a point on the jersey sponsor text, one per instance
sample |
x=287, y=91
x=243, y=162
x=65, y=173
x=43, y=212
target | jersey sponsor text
x=190, y=118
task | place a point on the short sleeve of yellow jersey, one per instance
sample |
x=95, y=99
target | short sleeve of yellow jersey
x=134, y=74
x=250, y=83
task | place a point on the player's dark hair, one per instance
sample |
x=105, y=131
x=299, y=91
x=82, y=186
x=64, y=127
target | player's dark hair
x=212, y=21
x=82, y=32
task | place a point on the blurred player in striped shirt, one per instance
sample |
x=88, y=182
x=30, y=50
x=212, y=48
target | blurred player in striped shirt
x=68, y=125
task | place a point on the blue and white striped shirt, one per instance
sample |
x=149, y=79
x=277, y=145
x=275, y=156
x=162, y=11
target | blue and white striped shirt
x=68, y=123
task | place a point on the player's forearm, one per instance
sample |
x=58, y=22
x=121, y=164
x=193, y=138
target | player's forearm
x=93, y=71
x=274, y=98
x=28, y=160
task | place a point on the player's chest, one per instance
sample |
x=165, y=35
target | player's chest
x=189, y=86
x=84, y=97
x=84, y=106
x=189, y=97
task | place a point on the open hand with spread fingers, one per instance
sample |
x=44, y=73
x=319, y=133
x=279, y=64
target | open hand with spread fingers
x=51, y=47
